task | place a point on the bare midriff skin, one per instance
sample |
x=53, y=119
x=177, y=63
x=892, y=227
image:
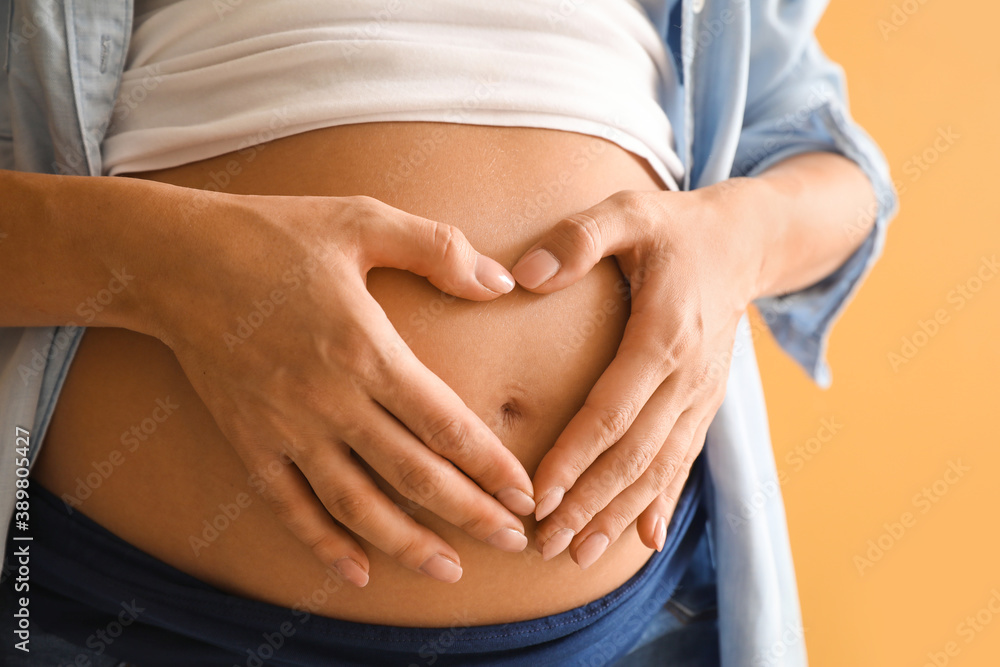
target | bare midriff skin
x=524, y=363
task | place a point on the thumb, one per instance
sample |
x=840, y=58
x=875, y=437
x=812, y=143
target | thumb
x=576, y=244
x=437, y=251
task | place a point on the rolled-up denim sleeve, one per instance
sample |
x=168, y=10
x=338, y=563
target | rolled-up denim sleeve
x=797, y=103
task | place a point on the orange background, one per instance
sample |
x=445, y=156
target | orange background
x=899, y=429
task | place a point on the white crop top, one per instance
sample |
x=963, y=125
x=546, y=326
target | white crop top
x=207, y=78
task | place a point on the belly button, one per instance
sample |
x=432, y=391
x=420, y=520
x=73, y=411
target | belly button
x=510, y=412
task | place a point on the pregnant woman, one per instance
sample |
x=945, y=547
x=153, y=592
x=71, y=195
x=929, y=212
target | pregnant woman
x=315, y=421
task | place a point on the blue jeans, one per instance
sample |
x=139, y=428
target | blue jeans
x=84, y=577
x=685, y=633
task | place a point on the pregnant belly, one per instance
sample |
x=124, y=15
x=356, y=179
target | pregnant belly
x=132, y=446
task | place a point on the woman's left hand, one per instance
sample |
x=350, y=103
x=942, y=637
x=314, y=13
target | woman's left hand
x=693, y=263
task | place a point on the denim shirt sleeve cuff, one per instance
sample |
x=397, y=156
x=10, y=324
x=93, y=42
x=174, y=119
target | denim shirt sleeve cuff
x=801, y=321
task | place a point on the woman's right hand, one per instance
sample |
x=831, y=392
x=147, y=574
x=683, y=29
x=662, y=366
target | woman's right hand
x=264, y=302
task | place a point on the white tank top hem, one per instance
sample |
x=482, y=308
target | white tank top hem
x=200, y=82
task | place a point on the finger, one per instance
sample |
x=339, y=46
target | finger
x=653, y=522
x=293, y=502
x=351, y=496
x=601, y=489
x=665, y=480
x=432, y=411
x=612, y=406
x=620, y=468
x=578, y=242
x=440, y=252
x=439, y=418
x=652, y=531
x=429, y=481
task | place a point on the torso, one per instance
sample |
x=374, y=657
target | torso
x=523, y=363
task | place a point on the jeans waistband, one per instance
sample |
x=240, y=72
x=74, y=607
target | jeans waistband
x=84, y=578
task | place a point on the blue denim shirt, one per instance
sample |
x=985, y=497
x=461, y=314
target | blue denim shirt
x=755, y=89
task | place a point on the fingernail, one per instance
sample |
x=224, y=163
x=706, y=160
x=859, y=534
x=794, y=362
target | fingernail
x=591, y=550
x=515, y=500
x=442, y=568
x=549, y=502
x=660, y=533
x=536, y=268
x=556, y=544
x=352, y=572
x=508, y=539
x=493, y=276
